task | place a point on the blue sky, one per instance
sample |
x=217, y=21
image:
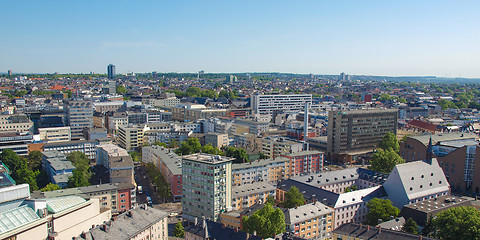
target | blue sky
x=393, y=38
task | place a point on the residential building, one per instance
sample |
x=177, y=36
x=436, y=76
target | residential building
x=79, y=114
x=269, y=170
x=114, y=120
x=207, y=185
x=424, y=210
x=99, y=120
x=55, y=134
x=107, y=194
x=217, y=140
x=268, y=104
x=246, y=195
x=192, y=112
x=255, y=127
x=305, y=162
x=130, y=137
x=108, y=150
x=138, y=223
x=416, y=181
x=250, y=142
x=456, y=154
x=166, y=102
x=15, y=122
x=15, y=141
x=278, y=146
x=58, y=168
x=169, y=165
x=310, y=221
x=356, y=133
x=111, y=106
x=365, y=232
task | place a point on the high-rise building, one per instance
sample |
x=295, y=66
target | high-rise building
x=356, y=133
x=79, y=114
x=109, y=87
x=155, y=76
x=207, y=186
x=111, y=71
x=267, y=104
x=9, y=73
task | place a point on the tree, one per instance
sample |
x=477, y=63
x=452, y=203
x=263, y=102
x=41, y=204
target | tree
x=293, y=198
x=385, y=160
x=162, y=144
x=79, y=159
x=263, y=156
x=239, y=154
x=208, y=148
x=351, y=188
x=458, y=223
x=50, y=187
x=266, y=222
x=410, y=226
x=121, y=89
x=390, y=141
x=270, y=200
x=384, y=97
x=81, y=174
x=178, y=230
x=192, y=145
x=380, y=209
x=19, y=169
x=34, y=160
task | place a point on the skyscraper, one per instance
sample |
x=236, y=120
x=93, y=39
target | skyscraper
x=111, y=71
x=9, y=73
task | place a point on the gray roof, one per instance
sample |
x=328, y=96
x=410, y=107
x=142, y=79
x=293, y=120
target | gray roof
x=251, y=188
x=98, y=188
x=343, y=175
x=121, y=162
x=438, y=203
x=394, y=224
x=127, y=225
x=303, y=153
x=460, y=143
x=207, y=158
x=170, y=158
x=16, y=217
x=360, y=231
x=305, y=212
x=259, y=163
x=57, y=160
x=442, y=137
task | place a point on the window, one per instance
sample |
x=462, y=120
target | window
x=122, y=195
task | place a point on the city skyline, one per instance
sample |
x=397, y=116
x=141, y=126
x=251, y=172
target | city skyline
x=429, y=38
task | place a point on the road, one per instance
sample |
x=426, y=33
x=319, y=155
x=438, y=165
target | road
x=142, y=179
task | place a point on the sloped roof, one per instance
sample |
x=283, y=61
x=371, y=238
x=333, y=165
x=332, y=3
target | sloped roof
x=16, y=217
x=56, y=205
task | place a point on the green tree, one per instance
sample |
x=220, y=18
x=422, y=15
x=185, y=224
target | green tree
x=390, y=141
x=192, y=145
x=162, y=144
x=351, y=188
x=79, y=159
x=384, y=97
x=178, y=230
x=270, y=200
x=266, y=222
x=173, y=143
x=34, y=160
x=458, y=223
x=380, y=209
x=50, y=187
x=81, y=174
x=410, y=226
x=136, y=156
x=19, y=170
x=263, y=156
x=293, y=198
x=385, y=160
x=239, y=154
x=445, y=104
x=121, y=89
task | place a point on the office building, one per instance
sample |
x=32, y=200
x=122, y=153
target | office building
x=89, y=148
x=207, y=186
x=268, y=104
x=456, y=154
x=15, y=141
x=254, y=127
x=130, y=137
x=109, y=87
x=192, y=112
x=310, y=221
x=108, y=106
x=169, y=164
x=352, y=134
x=79, y=114
x=217, y=140
x=55, y=134
x=15, y=122
x=274, y=147
x=58, y=168
x=111, y=71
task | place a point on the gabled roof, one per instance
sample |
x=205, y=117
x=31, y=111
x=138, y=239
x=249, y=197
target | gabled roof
x=310, y=192
x=216, y=231
x=305, y=212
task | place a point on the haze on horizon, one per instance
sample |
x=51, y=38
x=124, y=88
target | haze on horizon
x=383, y=38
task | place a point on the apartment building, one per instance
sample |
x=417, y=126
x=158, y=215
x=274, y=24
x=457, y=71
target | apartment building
x=192, y=112
x=15, y=122
x=269, y=170
x=247, y=195
x=305, y=162
x=84, y=146
x=55, y=134
x=255, y=127
x=15, y=141
x=79, y=114
x=111, y=106
x=130, y=137
x=207, y=185
x=310, y=221
x=278, y=146
x=217, y=140
x=108, y=150
x=456, y=154
x=250, y=142
x=114, y=120
x=166, y=102
x=267, y=104
x=169, y=165
x=352, y=134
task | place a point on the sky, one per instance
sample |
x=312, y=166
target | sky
x=358, y=37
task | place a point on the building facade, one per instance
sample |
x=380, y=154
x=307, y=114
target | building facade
x=79, y=114
x=267, y=104
x=55, y=134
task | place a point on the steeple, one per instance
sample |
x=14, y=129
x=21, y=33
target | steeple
x=429, y=154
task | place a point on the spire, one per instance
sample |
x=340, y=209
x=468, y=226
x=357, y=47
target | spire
x=429, y=154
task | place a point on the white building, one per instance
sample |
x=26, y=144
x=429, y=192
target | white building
x=267, y=104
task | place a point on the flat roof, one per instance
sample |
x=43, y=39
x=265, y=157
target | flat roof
x=443, y=137
x=435, y=204
x=207, y=158
x=168, y=157
x=259, y=163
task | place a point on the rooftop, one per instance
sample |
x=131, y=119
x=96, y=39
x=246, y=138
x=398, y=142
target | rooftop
x=16, y=217
x=360, y=231
x=303, y=153
x=56, y=205
x=443, y=137
x=113, y=150
x=170, y=158
x=305, y=212
x=207, y=158
x=259, y=163
x=251, y=188
x=438, y=203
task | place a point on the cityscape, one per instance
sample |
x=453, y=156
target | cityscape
x=272, y=121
